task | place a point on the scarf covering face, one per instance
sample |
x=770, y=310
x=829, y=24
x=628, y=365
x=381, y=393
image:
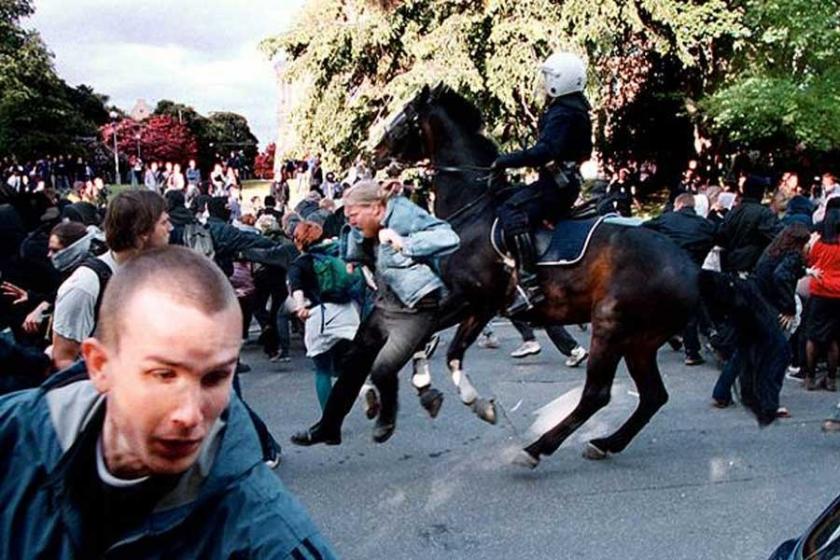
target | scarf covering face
x=73, y=254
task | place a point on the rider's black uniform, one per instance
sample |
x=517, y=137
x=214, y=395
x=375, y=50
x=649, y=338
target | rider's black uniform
x=565, y=141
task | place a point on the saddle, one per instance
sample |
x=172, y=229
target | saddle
x=563, y=245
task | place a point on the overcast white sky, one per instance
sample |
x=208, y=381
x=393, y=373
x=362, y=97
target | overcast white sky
x=199, y=52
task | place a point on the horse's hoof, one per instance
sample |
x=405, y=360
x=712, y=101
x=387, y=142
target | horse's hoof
x=431, y=400
x=486, y=410
x=593, y=453
x=525, y=459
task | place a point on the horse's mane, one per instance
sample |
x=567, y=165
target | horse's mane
x=464, y=113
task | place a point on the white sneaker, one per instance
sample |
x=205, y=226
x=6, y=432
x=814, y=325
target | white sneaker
x=579, y=354
x=528, y=348
x=488, y=341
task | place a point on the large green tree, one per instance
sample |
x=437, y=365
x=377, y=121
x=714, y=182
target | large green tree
x=362, y=58
x=39, y=113
x=230, y=131
x=782, y=86
x=217, y=134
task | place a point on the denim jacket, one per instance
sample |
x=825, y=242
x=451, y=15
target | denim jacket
x=410, y=272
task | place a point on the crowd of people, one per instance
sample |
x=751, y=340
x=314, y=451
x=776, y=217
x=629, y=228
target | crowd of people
x=124, y=315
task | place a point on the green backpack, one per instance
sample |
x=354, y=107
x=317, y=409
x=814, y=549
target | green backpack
x=334, y=282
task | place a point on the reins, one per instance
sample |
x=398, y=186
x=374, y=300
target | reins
x=488, y=193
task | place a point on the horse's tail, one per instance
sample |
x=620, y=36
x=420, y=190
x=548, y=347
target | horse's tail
x=733, y=303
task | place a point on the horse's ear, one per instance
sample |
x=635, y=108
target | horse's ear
x=424, y=94
x=439, y=88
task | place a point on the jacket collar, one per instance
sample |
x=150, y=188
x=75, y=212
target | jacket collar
x=575, y=101
x=230, y=450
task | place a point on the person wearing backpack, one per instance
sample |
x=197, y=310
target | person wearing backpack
x=69, y=245
x=323, y=293
x=134, y=221
x=401, y=242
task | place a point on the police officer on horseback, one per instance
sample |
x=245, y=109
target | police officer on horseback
x=565, y=141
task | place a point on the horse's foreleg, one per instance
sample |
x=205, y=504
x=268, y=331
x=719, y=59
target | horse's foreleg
x=641, y=364
x=600, y=372
x=421, y=379
x=467, y=332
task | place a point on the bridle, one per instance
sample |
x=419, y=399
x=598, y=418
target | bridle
x=407, y=121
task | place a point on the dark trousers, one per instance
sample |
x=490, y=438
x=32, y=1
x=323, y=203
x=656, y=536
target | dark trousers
x=274, y=322
x=384, y=344
x=691, y=338
x=557, y=333
x=542, y=200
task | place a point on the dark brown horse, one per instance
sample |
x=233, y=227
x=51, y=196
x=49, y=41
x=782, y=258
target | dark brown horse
x=634, y=286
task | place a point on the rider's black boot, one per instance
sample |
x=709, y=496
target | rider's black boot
x=528, y=292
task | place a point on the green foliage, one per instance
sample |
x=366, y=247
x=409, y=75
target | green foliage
x=784, y=81
x=363, y=60
x=217, y=134
x=229, y=131
x=39, y=113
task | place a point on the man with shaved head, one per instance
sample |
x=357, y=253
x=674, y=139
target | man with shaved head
x=150, y=455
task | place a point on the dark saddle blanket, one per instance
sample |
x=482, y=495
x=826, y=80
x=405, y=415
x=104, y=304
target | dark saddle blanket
x=566, y=244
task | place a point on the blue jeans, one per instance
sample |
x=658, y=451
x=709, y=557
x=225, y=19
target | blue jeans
x=723, y=388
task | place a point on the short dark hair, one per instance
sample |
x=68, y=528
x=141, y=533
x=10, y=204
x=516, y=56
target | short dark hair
x=830, y=227
x=188, y=277
x=269, y=201
x=68, y=232
x=130, y=215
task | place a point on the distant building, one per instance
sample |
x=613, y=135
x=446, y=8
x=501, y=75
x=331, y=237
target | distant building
x=141, y=111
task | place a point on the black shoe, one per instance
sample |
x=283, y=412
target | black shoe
x=431, y=399
x=242, y=367
x=384, y=429
x=272, y=459
x=313, y=436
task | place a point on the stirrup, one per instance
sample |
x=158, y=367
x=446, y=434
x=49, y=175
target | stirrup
x=525, y=300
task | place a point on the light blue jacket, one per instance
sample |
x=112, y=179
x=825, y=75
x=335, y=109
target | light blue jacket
x=228, y=505
x=410, y=272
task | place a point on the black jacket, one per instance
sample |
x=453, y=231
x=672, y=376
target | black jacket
x=228, y=241
x=744, y=234
x=693, y=233
x=799, y=211
x=565, y=135
x=776, y=278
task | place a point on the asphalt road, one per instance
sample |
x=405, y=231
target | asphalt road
x=697, y=482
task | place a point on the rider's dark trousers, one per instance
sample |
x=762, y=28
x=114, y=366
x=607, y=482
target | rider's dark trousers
x=542, y=200
x=385, y=342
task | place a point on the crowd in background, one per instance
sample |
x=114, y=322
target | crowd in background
x=743, y=224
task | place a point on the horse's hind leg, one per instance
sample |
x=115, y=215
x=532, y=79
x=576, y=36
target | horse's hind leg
x=600, y=372
x=467, y=332
x=641, y=364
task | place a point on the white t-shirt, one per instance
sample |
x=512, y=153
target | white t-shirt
x=75, y=305
x=106, y=476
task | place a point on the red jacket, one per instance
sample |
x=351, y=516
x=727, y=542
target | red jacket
x=826, y=257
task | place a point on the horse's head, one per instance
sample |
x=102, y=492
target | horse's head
x=402, y=138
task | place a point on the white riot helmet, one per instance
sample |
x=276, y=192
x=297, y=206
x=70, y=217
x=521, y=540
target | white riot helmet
x=563, y=73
